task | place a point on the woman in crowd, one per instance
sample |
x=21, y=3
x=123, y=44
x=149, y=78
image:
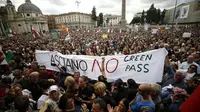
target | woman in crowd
x=85, y=92
x=66, y=103
x=70, y=85
x=121, y=107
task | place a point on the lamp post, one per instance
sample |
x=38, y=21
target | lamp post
x=78, y=3
x=174, y=13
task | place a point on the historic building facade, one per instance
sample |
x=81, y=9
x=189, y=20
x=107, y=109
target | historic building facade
x=75, y=20
x=112, y=20
x=21, y=21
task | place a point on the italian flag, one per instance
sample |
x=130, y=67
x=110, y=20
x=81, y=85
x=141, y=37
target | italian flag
x=109, y=30
x=94, y=31
x=67, y=30
x=120, y=31
x=11, y=32
x=35, y=33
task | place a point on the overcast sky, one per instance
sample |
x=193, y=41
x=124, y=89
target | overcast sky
x=104, y=6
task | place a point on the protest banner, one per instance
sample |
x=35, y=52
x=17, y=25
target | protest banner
x=146, y=67
x=154, y=31
x=54, y=35
x=104, y=36
x=187, y=35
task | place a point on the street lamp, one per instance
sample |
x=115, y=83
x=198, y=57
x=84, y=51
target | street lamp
x=78, y=3
x=174, y=13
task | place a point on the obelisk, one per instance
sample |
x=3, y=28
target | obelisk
x=123, y=20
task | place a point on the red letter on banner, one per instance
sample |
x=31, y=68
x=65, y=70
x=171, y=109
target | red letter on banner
x=95, y=61
x=115, y=66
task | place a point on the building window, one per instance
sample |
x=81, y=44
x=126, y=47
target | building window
x=27, y=14
x=12, y=9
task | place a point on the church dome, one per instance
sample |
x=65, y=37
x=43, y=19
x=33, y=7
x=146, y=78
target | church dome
x=28, y=7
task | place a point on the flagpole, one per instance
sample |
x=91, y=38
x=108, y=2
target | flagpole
x=174, y=13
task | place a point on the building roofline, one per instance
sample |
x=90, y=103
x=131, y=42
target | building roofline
x=69, y=13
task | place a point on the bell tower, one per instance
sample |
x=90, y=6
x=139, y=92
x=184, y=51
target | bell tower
x=10, y=10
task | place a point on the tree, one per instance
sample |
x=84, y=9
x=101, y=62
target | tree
x=151, y=14
x=163, y=16
x=94, y=17
x=100, y=20
x=158, y=16
x=136, y=20
x=143, y=17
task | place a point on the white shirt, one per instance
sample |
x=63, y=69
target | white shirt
x=185, y=65
x=189, y=76
x=41, y=101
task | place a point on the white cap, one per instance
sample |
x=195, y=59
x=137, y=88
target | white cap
x=53, y=88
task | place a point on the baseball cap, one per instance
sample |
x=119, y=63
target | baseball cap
x=53, y=88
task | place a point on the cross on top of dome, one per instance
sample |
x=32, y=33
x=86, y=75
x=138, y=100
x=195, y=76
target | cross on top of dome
x=28, y=1
x=9, y=2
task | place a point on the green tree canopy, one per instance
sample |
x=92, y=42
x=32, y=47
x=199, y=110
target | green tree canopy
x=94, y=16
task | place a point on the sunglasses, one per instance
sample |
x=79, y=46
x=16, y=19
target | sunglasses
x=193, y=68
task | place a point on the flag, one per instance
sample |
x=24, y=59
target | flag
x=120, y=31
x=2, y=57
x=192, y=104
x=11, y=32
x=35, y=33
x=68, y=30
x=64, y=28
x=104, y=36
x=54, y=35
x=109, y=30
x=85, y=46
x=185, y=11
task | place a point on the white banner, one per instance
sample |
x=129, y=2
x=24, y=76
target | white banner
x=154, y=31
x=187, y=35
x=146, y=67
x=185, y=11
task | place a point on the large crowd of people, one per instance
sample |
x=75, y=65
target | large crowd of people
x=26, y=86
